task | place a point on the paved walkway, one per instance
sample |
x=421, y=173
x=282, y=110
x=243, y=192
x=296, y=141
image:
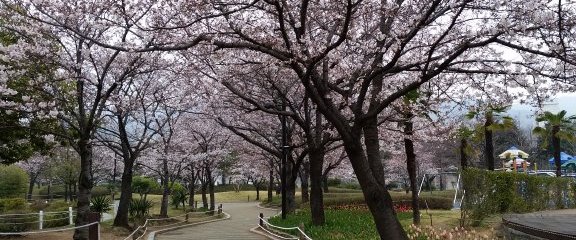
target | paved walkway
x=244, y=216
x=556, y=224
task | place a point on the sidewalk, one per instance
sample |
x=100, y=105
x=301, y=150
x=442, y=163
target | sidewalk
x=244, y=216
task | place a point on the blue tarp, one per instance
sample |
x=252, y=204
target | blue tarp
x=564, y=157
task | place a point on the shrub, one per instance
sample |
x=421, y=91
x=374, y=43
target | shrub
x=13, y=181
x=332, y=182
x=139, y=208
x=18, y=223
x=99, y=191
x=56, y=219
x=100, y=204
x=144, y=185
x=178, y=195
x=489, y=192
x=13, y=204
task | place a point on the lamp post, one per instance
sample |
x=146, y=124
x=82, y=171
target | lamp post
x=285, y=148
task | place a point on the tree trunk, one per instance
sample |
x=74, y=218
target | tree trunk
x=203, y=190
x=165, y=189
x=316, y=194
x=121, y=219
x=85, y=184
x=33, y=177
x=370, y=173
x=411, y=167
x=257, y=191
x=489, y=143
x=304, y=175
x=270, y=185
x=557, y=150
x=191, y=190
x=325, y=183
x=66, y=188
x=463, y=157
x=211, y=188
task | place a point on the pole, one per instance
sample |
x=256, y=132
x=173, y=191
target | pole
x=284, y=156
x=70, y=216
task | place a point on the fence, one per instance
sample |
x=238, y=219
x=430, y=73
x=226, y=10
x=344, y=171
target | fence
x=141, y=230
x=280, y=232
x=93, y=225
x=40, y=220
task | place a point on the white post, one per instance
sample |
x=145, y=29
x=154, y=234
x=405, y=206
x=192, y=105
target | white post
x=70, y=216
x=40, y=219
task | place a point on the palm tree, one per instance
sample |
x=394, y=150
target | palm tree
x=494, y=120
x=558, y=127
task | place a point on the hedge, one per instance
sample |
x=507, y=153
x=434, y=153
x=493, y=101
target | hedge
x=490, y=192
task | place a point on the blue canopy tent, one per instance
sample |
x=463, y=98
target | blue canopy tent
x=564, y=157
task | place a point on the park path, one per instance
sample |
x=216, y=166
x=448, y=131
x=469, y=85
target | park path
x=243, y=217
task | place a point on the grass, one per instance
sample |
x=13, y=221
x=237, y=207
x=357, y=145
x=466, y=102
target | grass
x=340, y=224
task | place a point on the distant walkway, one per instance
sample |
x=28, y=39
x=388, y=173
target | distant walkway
x=244, y=216
x=556, y=224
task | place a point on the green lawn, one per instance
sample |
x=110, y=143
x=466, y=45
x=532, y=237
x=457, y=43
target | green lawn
x=340, y=224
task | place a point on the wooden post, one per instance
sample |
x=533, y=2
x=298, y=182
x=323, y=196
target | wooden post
x=220, y=208
x=94, y=230
x=187, y=217
x=261, y=220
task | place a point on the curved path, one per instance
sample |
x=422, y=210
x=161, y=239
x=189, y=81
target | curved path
x=244, y=216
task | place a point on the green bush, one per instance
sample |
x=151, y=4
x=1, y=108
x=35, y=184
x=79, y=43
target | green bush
x=178, y=195
x=18, y=223
x=332, y=182
x=52, y=206
x=13, y=181
x=140, y=208
x=144, y=186
x=99, y=191
x=13, y=204
x=54, y=219
x=489, y=192
x=100, y=204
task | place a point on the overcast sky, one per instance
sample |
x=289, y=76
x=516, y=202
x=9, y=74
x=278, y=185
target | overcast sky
x=525, y=113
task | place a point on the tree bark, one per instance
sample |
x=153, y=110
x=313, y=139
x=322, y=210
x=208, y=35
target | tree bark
x=257, y=191
x=304, y=175
x=411, y=167
x=463, y=156
x=211, y=188
x=165, y=188
x=557, y=150
x=270, y=185
x=33, y=177
x=488, y=142
x=85, y=184
x=316, y=195
x=121, y=219
x=203, y=191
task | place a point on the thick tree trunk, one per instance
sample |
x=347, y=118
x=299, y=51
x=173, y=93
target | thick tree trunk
x=121, y=219
x=191, y=190
x=317, y=196
x=165, y=189
x=211, y=189
x=203, y=191
x=463, y=157
x=411, y=167
x=557, y=150
x=489, y=143
x=85, y=184
x=257, y=191
x=370, y=173
x=304, y=176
